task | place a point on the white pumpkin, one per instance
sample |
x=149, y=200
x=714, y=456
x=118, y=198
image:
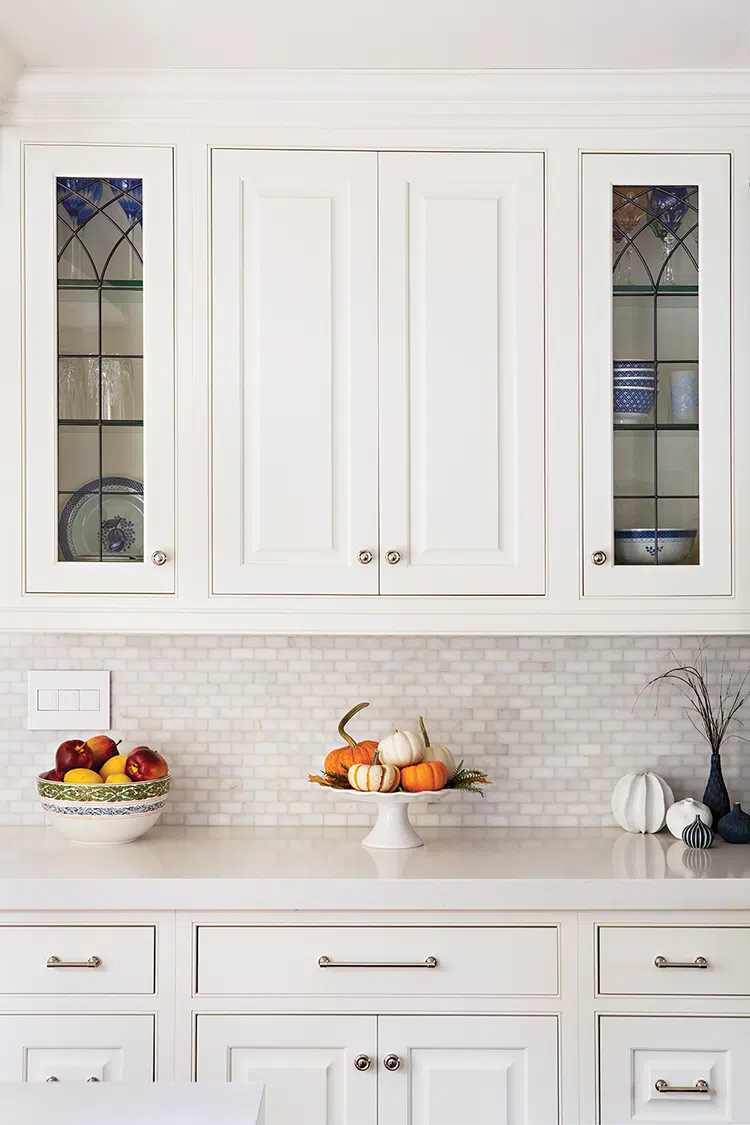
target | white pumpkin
x=376, y=778
x=682, y=813
x=437, y=753
x=402, y=748
x=640, y=802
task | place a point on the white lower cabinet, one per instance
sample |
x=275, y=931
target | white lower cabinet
x=674, y=1069
x=416, y=1070
x=76, y=1048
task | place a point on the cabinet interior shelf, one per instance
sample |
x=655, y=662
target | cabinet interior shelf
x=92, y=283
x=104, y=422
x=649, y=291
x=658, y=426
x=655, y=496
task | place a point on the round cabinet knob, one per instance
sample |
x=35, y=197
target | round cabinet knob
x=362, y=1062
x=393, y=557
x=92, y=1079
x=365, y=557
x=391, y=1062
x=159, y=558
x=52, y=1078
x=598, y=558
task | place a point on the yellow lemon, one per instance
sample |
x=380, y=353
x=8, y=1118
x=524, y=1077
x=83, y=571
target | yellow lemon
x=113, y=765
x=117, y=779
x=82, y=777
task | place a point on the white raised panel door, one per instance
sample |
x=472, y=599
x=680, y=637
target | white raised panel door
x=294, y=372
x=306, y=1063
x=72, y=1048
x=703, y=1060
x=462, y=372
x=620, y=458
x=468, y=1070
x=145, y=452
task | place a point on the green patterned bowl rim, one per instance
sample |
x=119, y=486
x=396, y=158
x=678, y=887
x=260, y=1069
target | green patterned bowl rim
x=103, y=794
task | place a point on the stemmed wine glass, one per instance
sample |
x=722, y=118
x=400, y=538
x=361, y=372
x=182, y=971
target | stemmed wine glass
x=79, y=197
x=669, y=205
x=131, y=201
x=627, y=217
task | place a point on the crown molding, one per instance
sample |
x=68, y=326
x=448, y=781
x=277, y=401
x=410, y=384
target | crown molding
x=10, y=70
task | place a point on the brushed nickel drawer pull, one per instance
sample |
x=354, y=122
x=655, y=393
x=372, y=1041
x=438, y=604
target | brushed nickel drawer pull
x=698, y=963
x=93, y=1079
x=56, y=963
x=52, y=1078
x=663, y=1087
x=327, y=963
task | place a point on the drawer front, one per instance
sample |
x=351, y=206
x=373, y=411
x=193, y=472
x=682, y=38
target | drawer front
x=377, y=960
x=629, y=959
x=94, y=960
x=698, y=1072
x=70, y=1048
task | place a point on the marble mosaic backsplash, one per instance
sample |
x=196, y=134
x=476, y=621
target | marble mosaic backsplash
x=243, y=720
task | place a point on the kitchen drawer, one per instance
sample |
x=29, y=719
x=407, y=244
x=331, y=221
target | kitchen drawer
x=628, y=958
x=125, y=955
x=377, y=960
x=71, y=1048
x=698, y=1071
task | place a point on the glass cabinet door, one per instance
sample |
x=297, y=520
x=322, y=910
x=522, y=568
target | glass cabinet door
x=656, y=374
x=99, y=370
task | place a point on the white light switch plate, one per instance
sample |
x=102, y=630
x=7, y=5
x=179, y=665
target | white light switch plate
x=77, y=701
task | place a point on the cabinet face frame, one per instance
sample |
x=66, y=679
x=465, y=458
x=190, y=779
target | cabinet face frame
x=712, y=173
x=43, y=571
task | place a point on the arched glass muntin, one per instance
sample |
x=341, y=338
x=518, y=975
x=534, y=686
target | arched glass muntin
x=100, y=369
x=655, y=288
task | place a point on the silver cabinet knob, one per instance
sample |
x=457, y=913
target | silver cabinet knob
x=393, y=557
x=598, y=558
x=92, y=1079
x=159, y=558
x=362, y=1062
x=52, y=1078
x=391, y=1062
x=365, y=557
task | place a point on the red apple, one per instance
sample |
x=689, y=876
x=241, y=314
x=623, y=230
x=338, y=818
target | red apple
x=52, y=775
x=144, y=764
x=103, y=748
x=73, y=755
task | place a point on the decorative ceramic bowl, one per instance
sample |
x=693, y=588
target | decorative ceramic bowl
x=634, y=389
x=103, y=814
x=639, y=545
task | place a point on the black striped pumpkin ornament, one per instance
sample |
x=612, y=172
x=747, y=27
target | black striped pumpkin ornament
x=697, y=834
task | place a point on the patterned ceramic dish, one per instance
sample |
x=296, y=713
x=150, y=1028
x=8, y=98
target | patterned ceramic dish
x=638, y=545
x=103, y=814
x=634, y=389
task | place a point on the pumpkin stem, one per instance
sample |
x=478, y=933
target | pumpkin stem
x=350, y=715
x=376, y=757
x=425, y=735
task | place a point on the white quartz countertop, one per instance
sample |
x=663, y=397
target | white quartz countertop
x=328, y=869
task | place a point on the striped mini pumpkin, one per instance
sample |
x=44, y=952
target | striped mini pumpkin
x=697, y=834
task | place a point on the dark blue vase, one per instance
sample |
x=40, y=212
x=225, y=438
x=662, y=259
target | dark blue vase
x=735, y=826
x=716, y=796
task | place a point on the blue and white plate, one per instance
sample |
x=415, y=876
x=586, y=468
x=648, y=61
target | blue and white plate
x=116, y=521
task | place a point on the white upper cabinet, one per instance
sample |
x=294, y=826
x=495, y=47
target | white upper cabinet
x=99, y=370
x=657, y=298
x=294, y=372
x=462, y=326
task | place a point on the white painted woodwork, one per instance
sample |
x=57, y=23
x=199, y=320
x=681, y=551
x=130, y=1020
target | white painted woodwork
x=462, y=325
x=127, y=955
x=635, y=1052
x=306, y=1064
x=74, y=1048
x=44, y=573
x=468, y=1070
x=711, y=171
x=627, y=955
x=294, y=372
x=472, y=961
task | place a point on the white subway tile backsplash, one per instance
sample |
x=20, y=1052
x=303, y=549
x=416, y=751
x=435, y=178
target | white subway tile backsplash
x=243, y=720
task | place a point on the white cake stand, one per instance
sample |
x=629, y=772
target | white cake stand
x=392, y=828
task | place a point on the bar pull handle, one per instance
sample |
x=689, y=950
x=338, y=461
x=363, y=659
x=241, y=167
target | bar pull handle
x=327, y=963
x=663, y=1087
x=698, y=963
x=56, y=963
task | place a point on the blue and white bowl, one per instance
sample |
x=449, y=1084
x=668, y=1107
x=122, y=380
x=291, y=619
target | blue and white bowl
x=635, y=546
x=634, y=389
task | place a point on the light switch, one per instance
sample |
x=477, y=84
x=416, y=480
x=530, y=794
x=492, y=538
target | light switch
x=77, y=702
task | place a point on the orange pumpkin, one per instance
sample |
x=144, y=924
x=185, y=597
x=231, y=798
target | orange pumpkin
x=425, y=777
x=340, y=761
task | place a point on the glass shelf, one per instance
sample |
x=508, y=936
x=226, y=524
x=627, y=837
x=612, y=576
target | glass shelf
x=92, y=283
x=659, y=426
x=108, y=422
x=649, y=291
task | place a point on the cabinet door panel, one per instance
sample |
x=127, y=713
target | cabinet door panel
x=462, y=372
x=294, y=372
x=637, y=1053
x=70, y=1048
x=468, y=1070
x=305, y=1062
x=657, y=307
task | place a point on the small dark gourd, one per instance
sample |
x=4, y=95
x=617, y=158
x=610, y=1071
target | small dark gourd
x=697, y=834
x=735, y=826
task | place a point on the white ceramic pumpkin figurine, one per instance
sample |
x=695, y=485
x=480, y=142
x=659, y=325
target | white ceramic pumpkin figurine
x=402, y=748
x=437, y=753
x=376, y=778
x=683, y=813
x=640, y=802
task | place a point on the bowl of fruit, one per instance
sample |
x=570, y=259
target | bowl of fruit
x=96, y=795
